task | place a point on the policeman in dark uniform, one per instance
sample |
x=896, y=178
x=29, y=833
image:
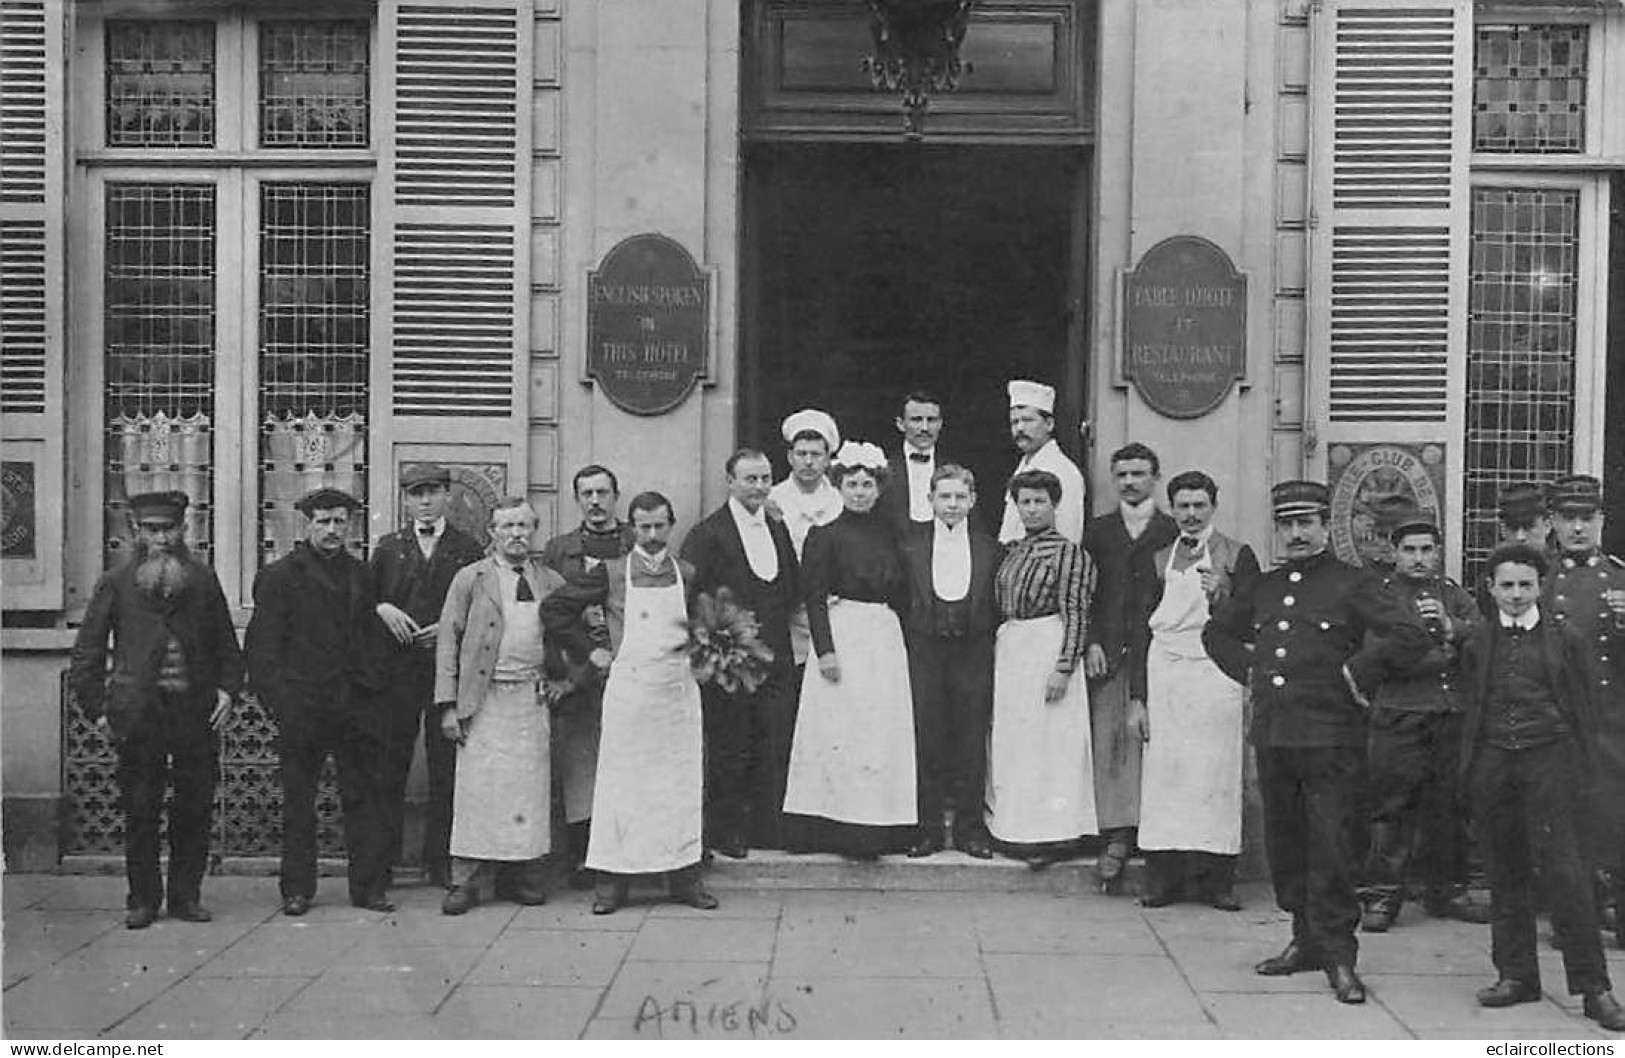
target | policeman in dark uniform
x=413, y=569
x=1586, y=592
x=1316, y=637
x=1416, y=741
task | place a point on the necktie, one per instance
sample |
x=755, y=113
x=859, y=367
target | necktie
x=1190, y=543
x=524, y=594
x=918, y=457
x=425, y=529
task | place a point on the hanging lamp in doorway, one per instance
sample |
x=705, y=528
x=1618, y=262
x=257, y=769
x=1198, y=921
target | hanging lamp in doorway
x=916, y=52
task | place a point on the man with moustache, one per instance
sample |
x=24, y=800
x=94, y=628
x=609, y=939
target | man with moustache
x=412, y=569
x=488, y=670
x=906, y=499
x=1122, y=544
x=601, y=536
x=748, y=736
x=1586, y=592
x=1417, y=816
x=314, y=647
x=176, y=671
x=806, y=498
x=1313, y=640
x=1032, y=428
x=948, y=630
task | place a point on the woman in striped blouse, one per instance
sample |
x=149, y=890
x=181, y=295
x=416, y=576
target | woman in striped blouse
x=1040, y=790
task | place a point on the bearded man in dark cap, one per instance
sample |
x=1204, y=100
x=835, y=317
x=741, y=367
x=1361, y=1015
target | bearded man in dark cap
x=176, y=671
x=313, y=658
x=1315, y=637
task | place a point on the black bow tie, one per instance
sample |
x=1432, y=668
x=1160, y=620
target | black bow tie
x=1191, y=542
x=425, y=530
x=919, y=457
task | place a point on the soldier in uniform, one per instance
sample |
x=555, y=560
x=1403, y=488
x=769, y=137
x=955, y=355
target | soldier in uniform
x=412, y=569
x=1586, y=592
x=1415, y=742
x=601, y=536
x=1315, y=637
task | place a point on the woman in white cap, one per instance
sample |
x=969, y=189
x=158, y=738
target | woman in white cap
x=806, y=498
x=852, y=762
x=1032, y=429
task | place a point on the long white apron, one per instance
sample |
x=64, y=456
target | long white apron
x=1190, y=799
x=500, y=802
x=647, y=799
x=1040, y=774
x=852, y=759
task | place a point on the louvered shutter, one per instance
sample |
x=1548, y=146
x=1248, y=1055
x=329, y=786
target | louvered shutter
x=456, y=200
x=1392, y=94
x=31, y=287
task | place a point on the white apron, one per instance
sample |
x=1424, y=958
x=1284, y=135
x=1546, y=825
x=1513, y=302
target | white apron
x=852, y=759
x=1040, y=775
x=647, y=800
x=500, y=802
x=1190, y=799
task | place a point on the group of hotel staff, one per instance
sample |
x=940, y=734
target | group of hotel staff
x=930, y=685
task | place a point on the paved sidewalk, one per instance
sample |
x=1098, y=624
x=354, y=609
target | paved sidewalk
x=808, y=963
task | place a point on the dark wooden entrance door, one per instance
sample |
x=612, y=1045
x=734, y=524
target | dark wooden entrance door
x=874, y=269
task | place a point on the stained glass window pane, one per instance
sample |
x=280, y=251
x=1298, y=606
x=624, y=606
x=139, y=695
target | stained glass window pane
x=159, y=354
x=314, y=329
x=160, y=84
x=313, y=84
x=1529, y=89
x=1520, y=349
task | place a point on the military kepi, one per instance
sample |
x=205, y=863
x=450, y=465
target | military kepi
x=417, y=475
x=325, y=500
x=1519, y=505
x=1400, y=517
x=1293, y=499
x=1576, y=494
x=171, y=505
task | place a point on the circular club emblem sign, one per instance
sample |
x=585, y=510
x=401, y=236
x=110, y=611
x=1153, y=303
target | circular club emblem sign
x=648, y=316
x=1364, y=479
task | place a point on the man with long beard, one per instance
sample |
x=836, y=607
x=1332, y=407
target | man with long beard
x=176, y=672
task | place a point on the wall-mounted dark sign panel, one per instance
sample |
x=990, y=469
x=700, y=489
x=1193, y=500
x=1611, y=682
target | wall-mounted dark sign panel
x=1184, y=326
x=648, y=323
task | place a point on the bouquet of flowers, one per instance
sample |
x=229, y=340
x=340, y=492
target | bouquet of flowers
x=724, y=644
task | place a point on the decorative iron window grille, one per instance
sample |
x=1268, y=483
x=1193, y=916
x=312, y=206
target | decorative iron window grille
x=313, y=84
x=1529, y=89
x=160, y=84
x=158, y=335
x=1521, y=327
x=315, y=242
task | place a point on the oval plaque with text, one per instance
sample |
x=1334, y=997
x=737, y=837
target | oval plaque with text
x=1184, y=326
x=648, y=313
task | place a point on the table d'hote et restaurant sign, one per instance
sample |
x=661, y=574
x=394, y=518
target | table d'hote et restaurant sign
x=1184, y=326
x=648, y=324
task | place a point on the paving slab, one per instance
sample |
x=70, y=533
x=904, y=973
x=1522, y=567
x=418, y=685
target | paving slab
x=375, y=990
x=683, y=992
x=1105, y=987
x=347, y=1025
x=696, y=939
x=574, y=911
x=522, y=1012
x=883, y=1008
x=284, y=951
x=1295, y=1016
x=552, y=957
x=1101, y=1029
x=1429, y=1001
x=853, y=952
x=735, y=903
x=210, y=1009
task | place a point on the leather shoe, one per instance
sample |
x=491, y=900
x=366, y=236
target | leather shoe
x=459, y=898
x=524, y=895
x=294, y=906
x=1508, y=991
x=1294, y=958
x=1379, y=917
x=190, y=911
x=376, y=902
x=925, y=846
x=1605, y=1010
x=1156, y=898
x=734, y=849
x=976, y=848
x=605, y=905
x=1460, y=908
x=696, y=897
x=140, y=917
x=1225, y=900
x=1346, y=983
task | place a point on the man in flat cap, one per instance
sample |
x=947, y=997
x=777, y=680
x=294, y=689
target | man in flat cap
x=175, y=672
x=1032, y=428
x=1313, y=639
x=1586, y=592
x=1417, y=817
x=412, y=568
x=600, y=537
x=314, y=658
x=805, y=498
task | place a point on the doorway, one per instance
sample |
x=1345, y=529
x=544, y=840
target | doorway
x=871, y=270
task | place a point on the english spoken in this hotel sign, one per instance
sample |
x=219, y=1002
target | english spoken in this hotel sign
x=1184, y=326
x=648, y=318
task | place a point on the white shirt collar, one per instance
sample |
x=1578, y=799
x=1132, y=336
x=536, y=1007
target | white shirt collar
x=954, y=531
x=439, y=525
x=1526, y=620
x=744, y=517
